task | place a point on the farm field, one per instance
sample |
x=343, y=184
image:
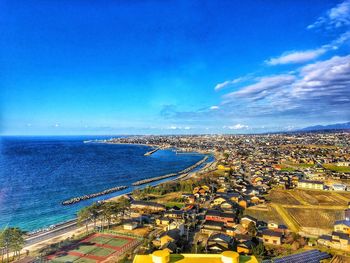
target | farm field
x=336, y=168
x=316, y=218
x=282, y=197
x=304, y=210
x=268, y=215
x=94, y=249
x=312, y=197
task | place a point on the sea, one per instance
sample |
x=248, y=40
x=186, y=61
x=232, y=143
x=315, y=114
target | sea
x=38, y=173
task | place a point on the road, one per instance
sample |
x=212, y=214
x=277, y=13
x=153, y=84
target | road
x=290, y=222
x=60, y=230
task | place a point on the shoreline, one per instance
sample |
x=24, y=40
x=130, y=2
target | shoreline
x=179, y=176
x=61, y=229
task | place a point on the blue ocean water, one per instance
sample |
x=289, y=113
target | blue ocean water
x=38, y=173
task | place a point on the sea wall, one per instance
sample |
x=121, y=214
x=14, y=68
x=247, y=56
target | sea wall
x=188, y=169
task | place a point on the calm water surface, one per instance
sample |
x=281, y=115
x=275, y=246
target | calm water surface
x=38, y=173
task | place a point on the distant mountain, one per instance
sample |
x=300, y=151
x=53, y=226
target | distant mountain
x=337, y=126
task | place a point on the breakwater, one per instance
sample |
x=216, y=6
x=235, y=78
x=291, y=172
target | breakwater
x=149, y=180
x=188, y=169
x=78, y=199
x=151, y=152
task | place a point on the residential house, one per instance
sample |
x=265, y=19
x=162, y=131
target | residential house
x=246, y=220
x=210, y=227
x=130, y=225
x=163, y=221
x=148, y=206
x=219, y=242
x=272, y=237
x=176, y=214
x=342, y=226
x=217, y=216
x=177, y=225
x=311, y=184
x=169, y=236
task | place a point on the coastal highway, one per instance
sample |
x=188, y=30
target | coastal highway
x=57, y=231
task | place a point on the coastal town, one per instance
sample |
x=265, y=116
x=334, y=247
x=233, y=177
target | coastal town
x=183, y=131
x=267, y=198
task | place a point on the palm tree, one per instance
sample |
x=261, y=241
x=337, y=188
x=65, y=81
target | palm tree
x=2, y=245
x=110, y=210
x=17, y=241
x=84, y=216
x=95, y=210
x=124, y=204
x=6, y=241
x=11, y=238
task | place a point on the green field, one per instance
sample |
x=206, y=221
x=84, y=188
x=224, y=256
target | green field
x=108, y=241
x=172, y=204
x=100, y=240
x=287, y=166
x=102, y=251
x=84, y=249
x=98, y=247
x=85, y=260
x=335, y=168
x=117, y=242
x=66, y=258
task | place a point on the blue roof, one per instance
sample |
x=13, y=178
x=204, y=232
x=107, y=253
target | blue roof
x=342, y=222
x=311, y=256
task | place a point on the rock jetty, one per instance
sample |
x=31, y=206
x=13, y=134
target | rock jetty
x=78, y=199
x=151, y=152
x=188, y=169
x=145, y=181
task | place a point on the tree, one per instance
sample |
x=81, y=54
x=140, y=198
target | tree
x=84, y=217
x=2, y=244
x=17, y=241
x=6, y=242
x=252, y=229
x=258, y=250
x=110, y=210
x=124, y=204
x=11, y=239
x=95, y=210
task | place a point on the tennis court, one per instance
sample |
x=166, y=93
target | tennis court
x=94, y=249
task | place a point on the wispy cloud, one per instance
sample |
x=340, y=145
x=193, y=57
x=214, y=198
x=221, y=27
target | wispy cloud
x=230, y=83
x=174, y=127
x=214, y=107
x=314, y=90
x=293, y=57
x=263, y=88
x=336, y=17
x=236, y=127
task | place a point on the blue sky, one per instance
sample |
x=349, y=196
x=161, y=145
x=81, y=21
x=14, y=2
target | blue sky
x=161, y=67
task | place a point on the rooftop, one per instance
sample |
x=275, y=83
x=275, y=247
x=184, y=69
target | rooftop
x=163, y=256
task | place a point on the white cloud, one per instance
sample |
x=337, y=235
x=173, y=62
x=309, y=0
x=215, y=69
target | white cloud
x=336, y=17
x=228, y=83
x=236, y=127
x=312, y=91
x=296, y=57
x=57, y=125
x=214, y=107
x=262, y=88
x=293, y=57
x=174, y=127
x=325, y=79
